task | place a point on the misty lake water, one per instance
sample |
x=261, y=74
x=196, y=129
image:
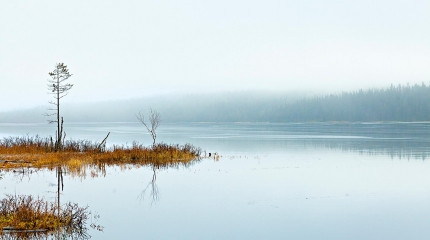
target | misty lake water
x=271, y=181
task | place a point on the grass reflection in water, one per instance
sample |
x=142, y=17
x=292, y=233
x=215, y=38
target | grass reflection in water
x=29, y=217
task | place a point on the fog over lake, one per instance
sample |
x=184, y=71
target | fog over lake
x=313, y=117
x=132, y=49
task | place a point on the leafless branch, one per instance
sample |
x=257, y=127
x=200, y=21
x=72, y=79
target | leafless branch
x=154, y=119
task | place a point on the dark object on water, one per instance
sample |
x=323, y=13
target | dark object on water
x=15, y=230
x=209, y=154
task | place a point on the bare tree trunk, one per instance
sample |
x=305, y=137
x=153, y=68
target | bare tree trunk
x=103, y=144
x=59, y=89
x=154, y=119
x=58, y=109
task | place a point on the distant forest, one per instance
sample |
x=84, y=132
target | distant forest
x=400, y=103
x=395, y=103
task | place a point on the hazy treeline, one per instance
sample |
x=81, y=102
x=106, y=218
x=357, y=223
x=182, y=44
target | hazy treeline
x=395, y=103
x=252, y=106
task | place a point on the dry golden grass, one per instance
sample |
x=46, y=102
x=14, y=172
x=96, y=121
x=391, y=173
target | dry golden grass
x=23, y=213
x=78, y=156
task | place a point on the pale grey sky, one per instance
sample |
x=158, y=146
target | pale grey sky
x=123, y=49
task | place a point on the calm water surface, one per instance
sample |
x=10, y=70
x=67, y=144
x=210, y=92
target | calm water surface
x=272, y=181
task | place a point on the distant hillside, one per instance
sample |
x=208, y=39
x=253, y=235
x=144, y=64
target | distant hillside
x=222, y=107
x=396, y=103
x=401, y=103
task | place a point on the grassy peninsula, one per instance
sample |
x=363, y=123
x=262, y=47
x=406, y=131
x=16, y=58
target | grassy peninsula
x=77, y=155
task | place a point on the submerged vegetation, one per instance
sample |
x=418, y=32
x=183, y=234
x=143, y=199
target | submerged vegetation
x=76, y=155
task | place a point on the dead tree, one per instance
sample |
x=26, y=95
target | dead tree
x=154, y=119
x=59, y=89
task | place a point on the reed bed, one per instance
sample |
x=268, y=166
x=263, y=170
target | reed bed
x=21, y=215
x=38, y=152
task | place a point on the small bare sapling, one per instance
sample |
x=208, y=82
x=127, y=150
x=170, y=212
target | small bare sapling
x=154, y=119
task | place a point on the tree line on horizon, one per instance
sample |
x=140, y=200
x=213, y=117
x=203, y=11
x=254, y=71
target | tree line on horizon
x=395, y=103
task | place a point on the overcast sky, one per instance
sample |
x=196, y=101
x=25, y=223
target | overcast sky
x=123, y=49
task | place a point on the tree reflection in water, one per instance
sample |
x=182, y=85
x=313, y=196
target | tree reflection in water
x=60, y=210
x=154, y=193
x=152, y=185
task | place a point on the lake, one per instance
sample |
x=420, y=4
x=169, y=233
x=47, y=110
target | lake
x=271, y=181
